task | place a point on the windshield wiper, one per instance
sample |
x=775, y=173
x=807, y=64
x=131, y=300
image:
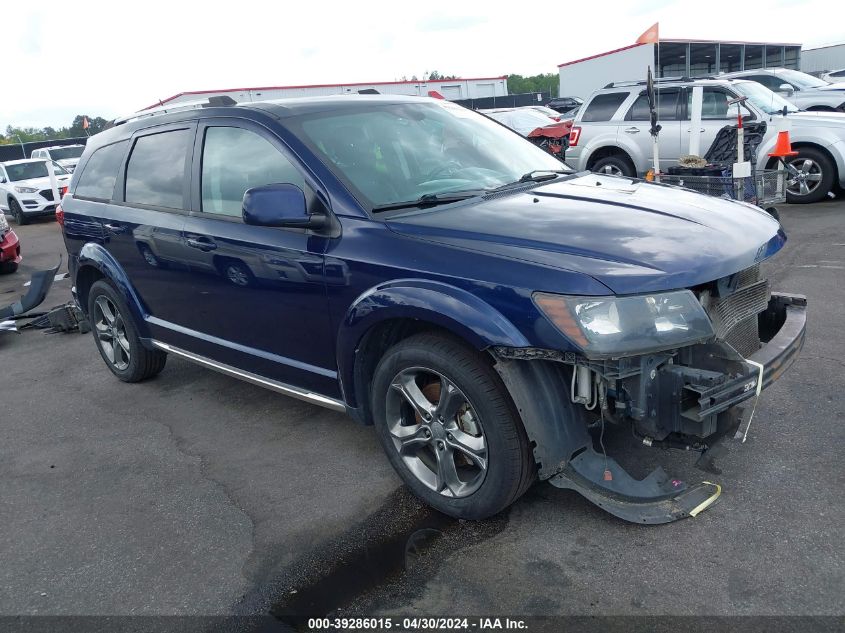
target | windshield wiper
x=536, y=175
x=428, y=200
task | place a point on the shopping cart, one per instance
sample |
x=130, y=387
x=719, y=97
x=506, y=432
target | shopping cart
x=765, y=187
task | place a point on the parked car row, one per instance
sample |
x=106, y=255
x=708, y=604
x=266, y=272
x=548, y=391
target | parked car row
x=610, y=133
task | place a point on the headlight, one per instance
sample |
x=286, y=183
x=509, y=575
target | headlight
x=612, y=327
x=4, y=223
x=26, y=189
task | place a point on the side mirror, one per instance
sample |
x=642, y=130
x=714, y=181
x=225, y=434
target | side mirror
x=787, y=88
x=280, y=205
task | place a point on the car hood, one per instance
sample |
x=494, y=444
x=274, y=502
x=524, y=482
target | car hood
x=68, y=161
x=630, y=235
x=803, y=119
x=835, y=86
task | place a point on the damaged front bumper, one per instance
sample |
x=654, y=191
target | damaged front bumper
x=683, y=398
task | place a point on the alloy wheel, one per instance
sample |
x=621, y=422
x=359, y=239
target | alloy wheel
x=612, y=170
x=237, y=275
x=111, y=333
x=437, y=432
x=805, y=175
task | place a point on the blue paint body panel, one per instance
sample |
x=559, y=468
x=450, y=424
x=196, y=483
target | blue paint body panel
x=294, y=304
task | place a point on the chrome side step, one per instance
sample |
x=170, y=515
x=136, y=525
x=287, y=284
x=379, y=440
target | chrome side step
x=255, y=379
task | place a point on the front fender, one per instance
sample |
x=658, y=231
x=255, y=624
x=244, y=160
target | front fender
x=94, y=255
x=446, y=306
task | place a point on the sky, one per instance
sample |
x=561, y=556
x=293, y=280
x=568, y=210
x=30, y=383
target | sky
x=110, y=58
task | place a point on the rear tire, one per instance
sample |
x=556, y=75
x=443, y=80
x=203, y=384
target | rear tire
x=17, y=212
x=471, y=457
x=7, y=268
x=614, y=166
x=116, y=336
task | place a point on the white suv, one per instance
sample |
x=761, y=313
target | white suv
x=65, y=155
x=611, y=131
x=25, y=189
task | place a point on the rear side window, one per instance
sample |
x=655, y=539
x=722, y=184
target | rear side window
x=155, y=174
x=97, y=180
x=604, y=106
x=667, y=107
x=234, y=160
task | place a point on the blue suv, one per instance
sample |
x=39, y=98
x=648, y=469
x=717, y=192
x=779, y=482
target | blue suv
x=425, y=269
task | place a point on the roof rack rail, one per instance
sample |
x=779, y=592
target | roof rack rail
x=210, y=102
x=620, y=84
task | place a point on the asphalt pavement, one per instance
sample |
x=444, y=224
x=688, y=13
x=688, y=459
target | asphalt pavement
x=197, y=494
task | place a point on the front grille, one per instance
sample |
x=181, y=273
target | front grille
x=46, y=194
x=734, y=316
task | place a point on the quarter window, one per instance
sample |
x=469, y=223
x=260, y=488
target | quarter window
x=604, y=106
x=234, y=160
x=155, y=174
x=98, y=178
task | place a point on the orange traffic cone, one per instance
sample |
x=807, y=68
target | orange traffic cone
x=783, y=147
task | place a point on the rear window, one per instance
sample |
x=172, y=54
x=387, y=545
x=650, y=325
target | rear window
x=155, y=175
x=97, y=180
x=604, y=106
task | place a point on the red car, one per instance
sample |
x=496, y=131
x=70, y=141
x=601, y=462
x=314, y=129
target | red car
x=10, y=247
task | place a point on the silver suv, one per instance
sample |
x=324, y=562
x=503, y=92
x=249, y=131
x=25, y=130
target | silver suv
x=803, y=90
x=611, y=131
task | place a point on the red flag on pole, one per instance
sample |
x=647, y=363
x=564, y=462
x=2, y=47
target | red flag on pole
x=650, y=36
x=85, y=124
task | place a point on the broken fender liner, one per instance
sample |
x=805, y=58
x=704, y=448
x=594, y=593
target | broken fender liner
x=653, y=500
x=38, y=289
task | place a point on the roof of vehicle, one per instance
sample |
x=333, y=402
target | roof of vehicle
x=279, y=108
x=683, y=81
x=60, y=146
x=23, y=160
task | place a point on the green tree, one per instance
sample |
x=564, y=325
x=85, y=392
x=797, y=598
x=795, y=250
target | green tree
x=546, y=82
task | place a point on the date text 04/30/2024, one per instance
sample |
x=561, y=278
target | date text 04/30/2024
x=416, y=624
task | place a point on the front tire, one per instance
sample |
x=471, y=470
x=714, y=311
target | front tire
x=810, y=176
x=17, y=212
x=7, y=268
x=449, y=428
x=116, y=336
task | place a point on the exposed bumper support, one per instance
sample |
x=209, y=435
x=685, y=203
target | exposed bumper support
x=653, y=500
x=786, y=319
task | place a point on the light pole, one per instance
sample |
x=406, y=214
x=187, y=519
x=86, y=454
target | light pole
x=23, y=149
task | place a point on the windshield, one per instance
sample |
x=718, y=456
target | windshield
x=802, y=80
x=400, y=152
x=523, y=121
x=768, y=101
x=36, y=169
x=63, y=153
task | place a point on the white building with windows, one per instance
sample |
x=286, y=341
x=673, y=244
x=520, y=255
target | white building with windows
x=452, y=89
x=672, y=58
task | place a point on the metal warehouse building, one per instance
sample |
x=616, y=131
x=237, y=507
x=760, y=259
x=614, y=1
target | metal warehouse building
x=689, y=58
x=823, y=58
x=452, y=89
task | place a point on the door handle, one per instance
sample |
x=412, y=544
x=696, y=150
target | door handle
x=202, y=244
x=701, y=130
x=116, y=229
x=633, y=130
